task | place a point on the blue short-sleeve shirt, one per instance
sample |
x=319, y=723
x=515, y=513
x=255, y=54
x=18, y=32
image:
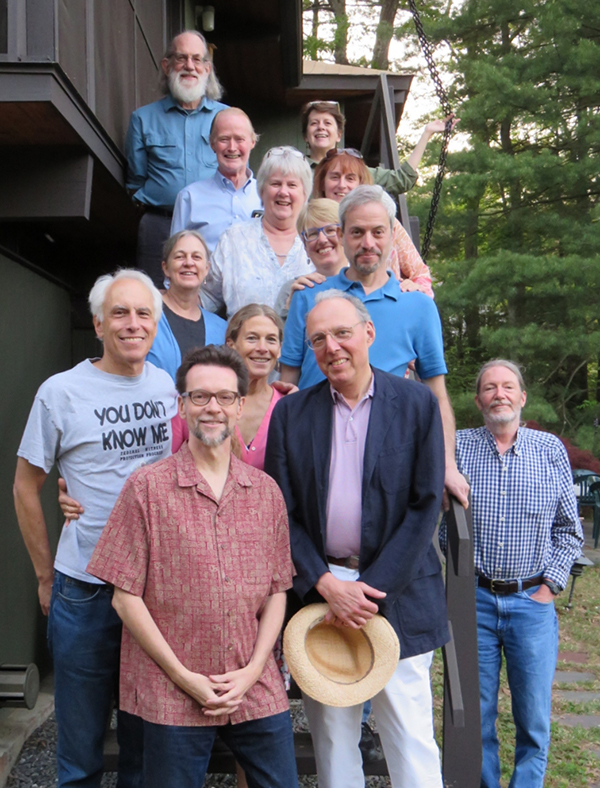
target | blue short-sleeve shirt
x=407, y=327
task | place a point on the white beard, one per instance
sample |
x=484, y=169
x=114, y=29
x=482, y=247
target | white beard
x=187, y=95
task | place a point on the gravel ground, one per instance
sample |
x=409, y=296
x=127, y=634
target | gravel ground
x=36, y=767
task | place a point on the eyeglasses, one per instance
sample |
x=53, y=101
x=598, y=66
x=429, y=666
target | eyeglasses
x=283, y=150
x=339, y=151
x=311, y=235
x=201, y=398
x=341, y=335
x=334, y=104
x=197, y=60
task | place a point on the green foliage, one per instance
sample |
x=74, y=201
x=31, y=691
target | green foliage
x=516, y=246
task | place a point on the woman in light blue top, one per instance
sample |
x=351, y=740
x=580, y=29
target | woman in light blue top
x=184, y=324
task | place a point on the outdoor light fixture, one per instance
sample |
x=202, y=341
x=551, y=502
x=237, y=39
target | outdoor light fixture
x=207, y=13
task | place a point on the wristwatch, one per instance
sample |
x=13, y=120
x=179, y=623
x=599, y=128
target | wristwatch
x=554, y=587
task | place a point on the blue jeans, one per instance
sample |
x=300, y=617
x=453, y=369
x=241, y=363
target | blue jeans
x=177, y=756
x=84, y=636
x=527, y=632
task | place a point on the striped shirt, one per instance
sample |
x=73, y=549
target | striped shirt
x=525, y=519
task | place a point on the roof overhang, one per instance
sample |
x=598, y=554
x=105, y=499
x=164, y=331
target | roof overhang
x=354, y=87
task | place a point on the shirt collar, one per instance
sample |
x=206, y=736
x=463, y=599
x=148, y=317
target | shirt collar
x=169, y=104
x=391, y=288
x=189, y=476
x=517, y=446
x=339, y=398
x=223, y=181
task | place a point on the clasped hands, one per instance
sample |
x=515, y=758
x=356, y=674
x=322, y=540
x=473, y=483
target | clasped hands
x=219, y=694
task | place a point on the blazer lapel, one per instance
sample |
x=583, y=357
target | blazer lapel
x=383, y=412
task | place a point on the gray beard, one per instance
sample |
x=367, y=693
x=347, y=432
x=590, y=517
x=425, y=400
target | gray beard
x=366, y=269
x=211, y=443
x=184, y=95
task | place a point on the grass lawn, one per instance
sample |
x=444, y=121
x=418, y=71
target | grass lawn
x=574, y=760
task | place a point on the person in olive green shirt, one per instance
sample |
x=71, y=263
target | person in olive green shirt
x=322, y=127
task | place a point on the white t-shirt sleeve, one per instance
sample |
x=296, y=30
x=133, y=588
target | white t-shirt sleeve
x=40, y=444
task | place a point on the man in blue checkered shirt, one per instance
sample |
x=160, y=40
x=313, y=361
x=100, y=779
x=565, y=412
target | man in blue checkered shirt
x=527, y=534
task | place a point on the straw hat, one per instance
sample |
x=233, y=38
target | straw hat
x=339, y=666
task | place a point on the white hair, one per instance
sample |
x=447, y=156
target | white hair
x=328, y=295
x=102, y=285
x=363, y=195
x=287, y=160
x=214, y=89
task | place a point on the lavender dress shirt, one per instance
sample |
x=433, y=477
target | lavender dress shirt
x=344, y=500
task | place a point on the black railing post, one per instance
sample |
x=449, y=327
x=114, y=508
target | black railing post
x=462, y=720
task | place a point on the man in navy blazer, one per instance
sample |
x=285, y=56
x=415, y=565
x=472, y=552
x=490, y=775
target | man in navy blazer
x=360, y=461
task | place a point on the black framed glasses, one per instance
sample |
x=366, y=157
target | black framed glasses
x=199, y=397
x=311, y=235
x=333, y=152
x=341, y=335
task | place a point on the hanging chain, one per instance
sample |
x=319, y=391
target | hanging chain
x=445, y=104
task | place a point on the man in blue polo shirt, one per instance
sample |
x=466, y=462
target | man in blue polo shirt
x=407, y=324
x=168, y=142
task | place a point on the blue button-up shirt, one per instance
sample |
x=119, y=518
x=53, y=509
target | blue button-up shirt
x=168, y=148
x=525, y=519
x=213, y=205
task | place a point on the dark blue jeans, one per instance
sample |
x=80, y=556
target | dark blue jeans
x=84, y=636
x=177, y=756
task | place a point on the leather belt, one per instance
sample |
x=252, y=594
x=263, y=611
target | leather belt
x=505, y=587
x=350, y=563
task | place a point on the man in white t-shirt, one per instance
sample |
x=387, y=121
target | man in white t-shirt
x=98, y=422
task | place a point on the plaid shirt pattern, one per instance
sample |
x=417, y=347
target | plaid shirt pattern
x=525, y=518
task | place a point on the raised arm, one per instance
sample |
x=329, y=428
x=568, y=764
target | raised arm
x=29, y=480
x=433, y=127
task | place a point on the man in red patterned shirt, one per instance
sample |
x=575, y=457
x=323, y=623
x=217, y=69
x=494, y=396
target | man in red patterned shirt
x=197, y=548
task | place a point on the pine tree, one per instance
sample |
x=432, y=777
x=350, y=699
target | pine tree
x=518, y=240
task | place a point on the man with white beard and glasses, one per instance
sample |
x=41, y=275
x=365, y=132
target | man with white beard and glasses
x=527, y=534
x=168, y=143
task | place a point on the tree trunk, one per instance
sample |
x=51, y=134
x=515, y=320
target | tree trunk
x=341, y=31
x=315, y=21
x=384, y=34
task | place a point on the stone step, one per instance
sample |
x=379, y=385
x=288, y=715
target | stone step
x=578, y=720
x=577, y=696
x=573, y=656
x=572, y=677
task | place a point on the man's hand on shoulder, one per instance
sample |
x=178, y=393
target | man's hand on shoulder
x=455, y=484
x=347, y=600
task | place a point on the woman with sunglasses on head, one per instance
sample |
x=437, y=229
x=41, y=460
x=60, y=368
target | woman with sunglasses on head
x=341, y=171
x=322, y=128
x=254, y=259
